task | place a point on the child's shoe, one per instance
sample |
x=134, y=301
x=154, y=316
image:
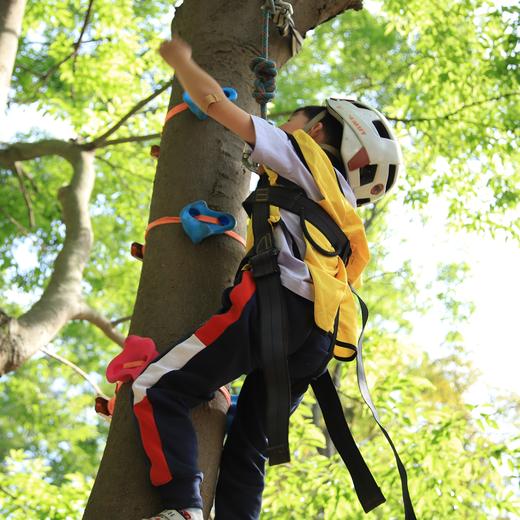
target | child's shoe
x=174, y=514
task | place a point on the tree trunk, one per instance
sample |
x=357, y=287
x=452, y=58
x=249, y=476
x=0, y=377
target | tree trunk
x=11, y=16
x=181, y=283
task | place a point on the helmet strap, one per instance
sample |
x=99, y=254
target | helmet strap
x=333, y=151
x=327, y=147
x=316, y=119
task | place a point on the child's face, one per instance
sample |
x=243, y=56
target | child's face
x=296, y=122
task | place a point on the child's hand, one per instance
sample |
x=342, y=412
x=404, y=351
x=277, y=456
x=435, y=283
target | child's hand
x=175, y=51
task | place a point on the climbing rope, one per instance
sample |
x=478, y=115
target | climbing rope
x=264, y=68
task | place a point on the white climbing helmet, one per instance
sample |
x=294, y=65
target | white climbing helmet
x=369, y=149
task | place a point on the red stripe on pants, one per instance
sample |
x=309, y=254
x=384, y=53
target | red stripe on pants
x=159, y=471
x=217, y=324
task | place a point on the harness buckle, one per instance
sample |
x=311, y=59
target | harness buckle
x=265, y=263
x=262, y=195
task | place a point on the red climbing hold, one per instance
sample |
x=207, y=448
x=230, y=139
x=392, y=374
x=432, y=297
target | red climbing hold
x=137, y=353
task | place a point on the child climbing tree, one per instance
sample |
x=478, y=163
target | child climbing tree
x=197, y=161
x=94, y=67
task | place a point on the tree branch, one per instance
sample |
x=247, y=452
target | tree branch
x=19, y=501
x=27, y=151
x=76, y=369
x=18, y=171
x=61, y=301
x=100, y=141
x=76, y=45
x=115, y=323
x=375, y=211
x=82, y=32
x=454, y=112
x=89, y=314
x=19, y=225
x=319, y=12
x=122, y=140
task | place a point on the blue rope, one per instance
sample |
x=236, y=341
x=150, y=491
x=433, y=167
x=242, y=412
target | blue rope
x=264, y=69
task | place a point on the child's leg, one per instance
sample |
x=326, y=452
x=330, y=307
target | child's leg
x=218, y=352
x=242, y=467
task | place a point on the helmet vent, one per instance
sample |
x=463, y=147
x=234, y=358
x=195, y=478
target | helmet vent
x=360, y=202
x=381, y=129
x=359, y=105
x=367, y=174
x=391, y=176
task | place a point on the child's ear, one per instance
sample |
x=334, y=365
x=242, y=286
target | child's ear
x=316, y=130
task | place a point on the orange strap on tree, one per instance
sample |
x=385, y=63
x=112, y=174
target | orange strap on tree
x=201, y=218
x=198, y=221
x=177, y=109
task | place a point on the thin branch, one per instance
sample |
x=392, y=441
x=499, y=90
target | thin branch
x=19, y=225
x=350, y=398
x=100, y=141
x=115, y=323
x=137, y=195
x=44, y=78
x=76, y=369
x=89, y=314
x=454, y=112
x=83, y=29
x=122, y=140
x=375, y=211
x=76, y=45
x=19, y=172
x=399, y=272
x=39, y=75
x=18, y=500
x=424, y=119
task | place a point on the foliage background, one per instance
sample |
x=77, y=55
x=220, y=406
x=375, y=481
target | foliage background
x=448, y=78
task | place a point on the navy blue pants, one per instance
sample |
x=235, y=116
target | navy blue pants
x=189, y=372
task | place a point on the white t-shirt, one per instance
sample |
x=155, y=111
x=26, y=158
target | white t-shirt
x=274, y=149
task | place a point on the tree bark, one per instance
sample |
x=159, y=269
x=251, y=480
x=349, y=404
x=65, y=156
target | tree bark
x=11, y=16
x=181, y=283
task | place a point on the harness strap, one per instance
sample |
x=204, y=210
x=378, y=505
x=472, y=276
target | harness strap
x=295, y=201
x=409, y=513
x=273, y=330
x=368, y=492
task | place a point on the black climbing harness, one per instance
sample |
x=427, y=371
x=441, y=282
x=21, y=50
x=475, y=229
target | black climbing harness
x=273, y=326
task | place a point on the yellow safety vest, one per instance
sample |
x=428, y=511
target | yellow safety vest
x=330, y=276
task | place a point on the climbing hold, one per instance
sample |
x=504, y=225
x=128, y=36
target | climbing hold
x=210, y=222
x=101, y=407
x=137, y=250
x=200, y=222
x=137, y=353
x=230, y=93
x=105, y=405
x=155, y=150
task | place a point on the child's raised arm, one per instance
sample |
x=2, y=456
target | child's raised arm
x=205, y=91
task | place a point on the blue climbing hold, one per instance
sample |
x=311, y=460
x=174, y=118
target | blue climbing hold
x=231, y=94
x=200, y=222
x=231, y=412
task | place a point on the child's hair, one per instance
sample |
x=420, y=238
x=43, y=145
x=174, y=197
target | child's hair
x=333, y=130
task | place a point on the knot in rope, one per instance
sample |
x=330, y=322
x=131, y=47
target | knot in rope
x=265, y=83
